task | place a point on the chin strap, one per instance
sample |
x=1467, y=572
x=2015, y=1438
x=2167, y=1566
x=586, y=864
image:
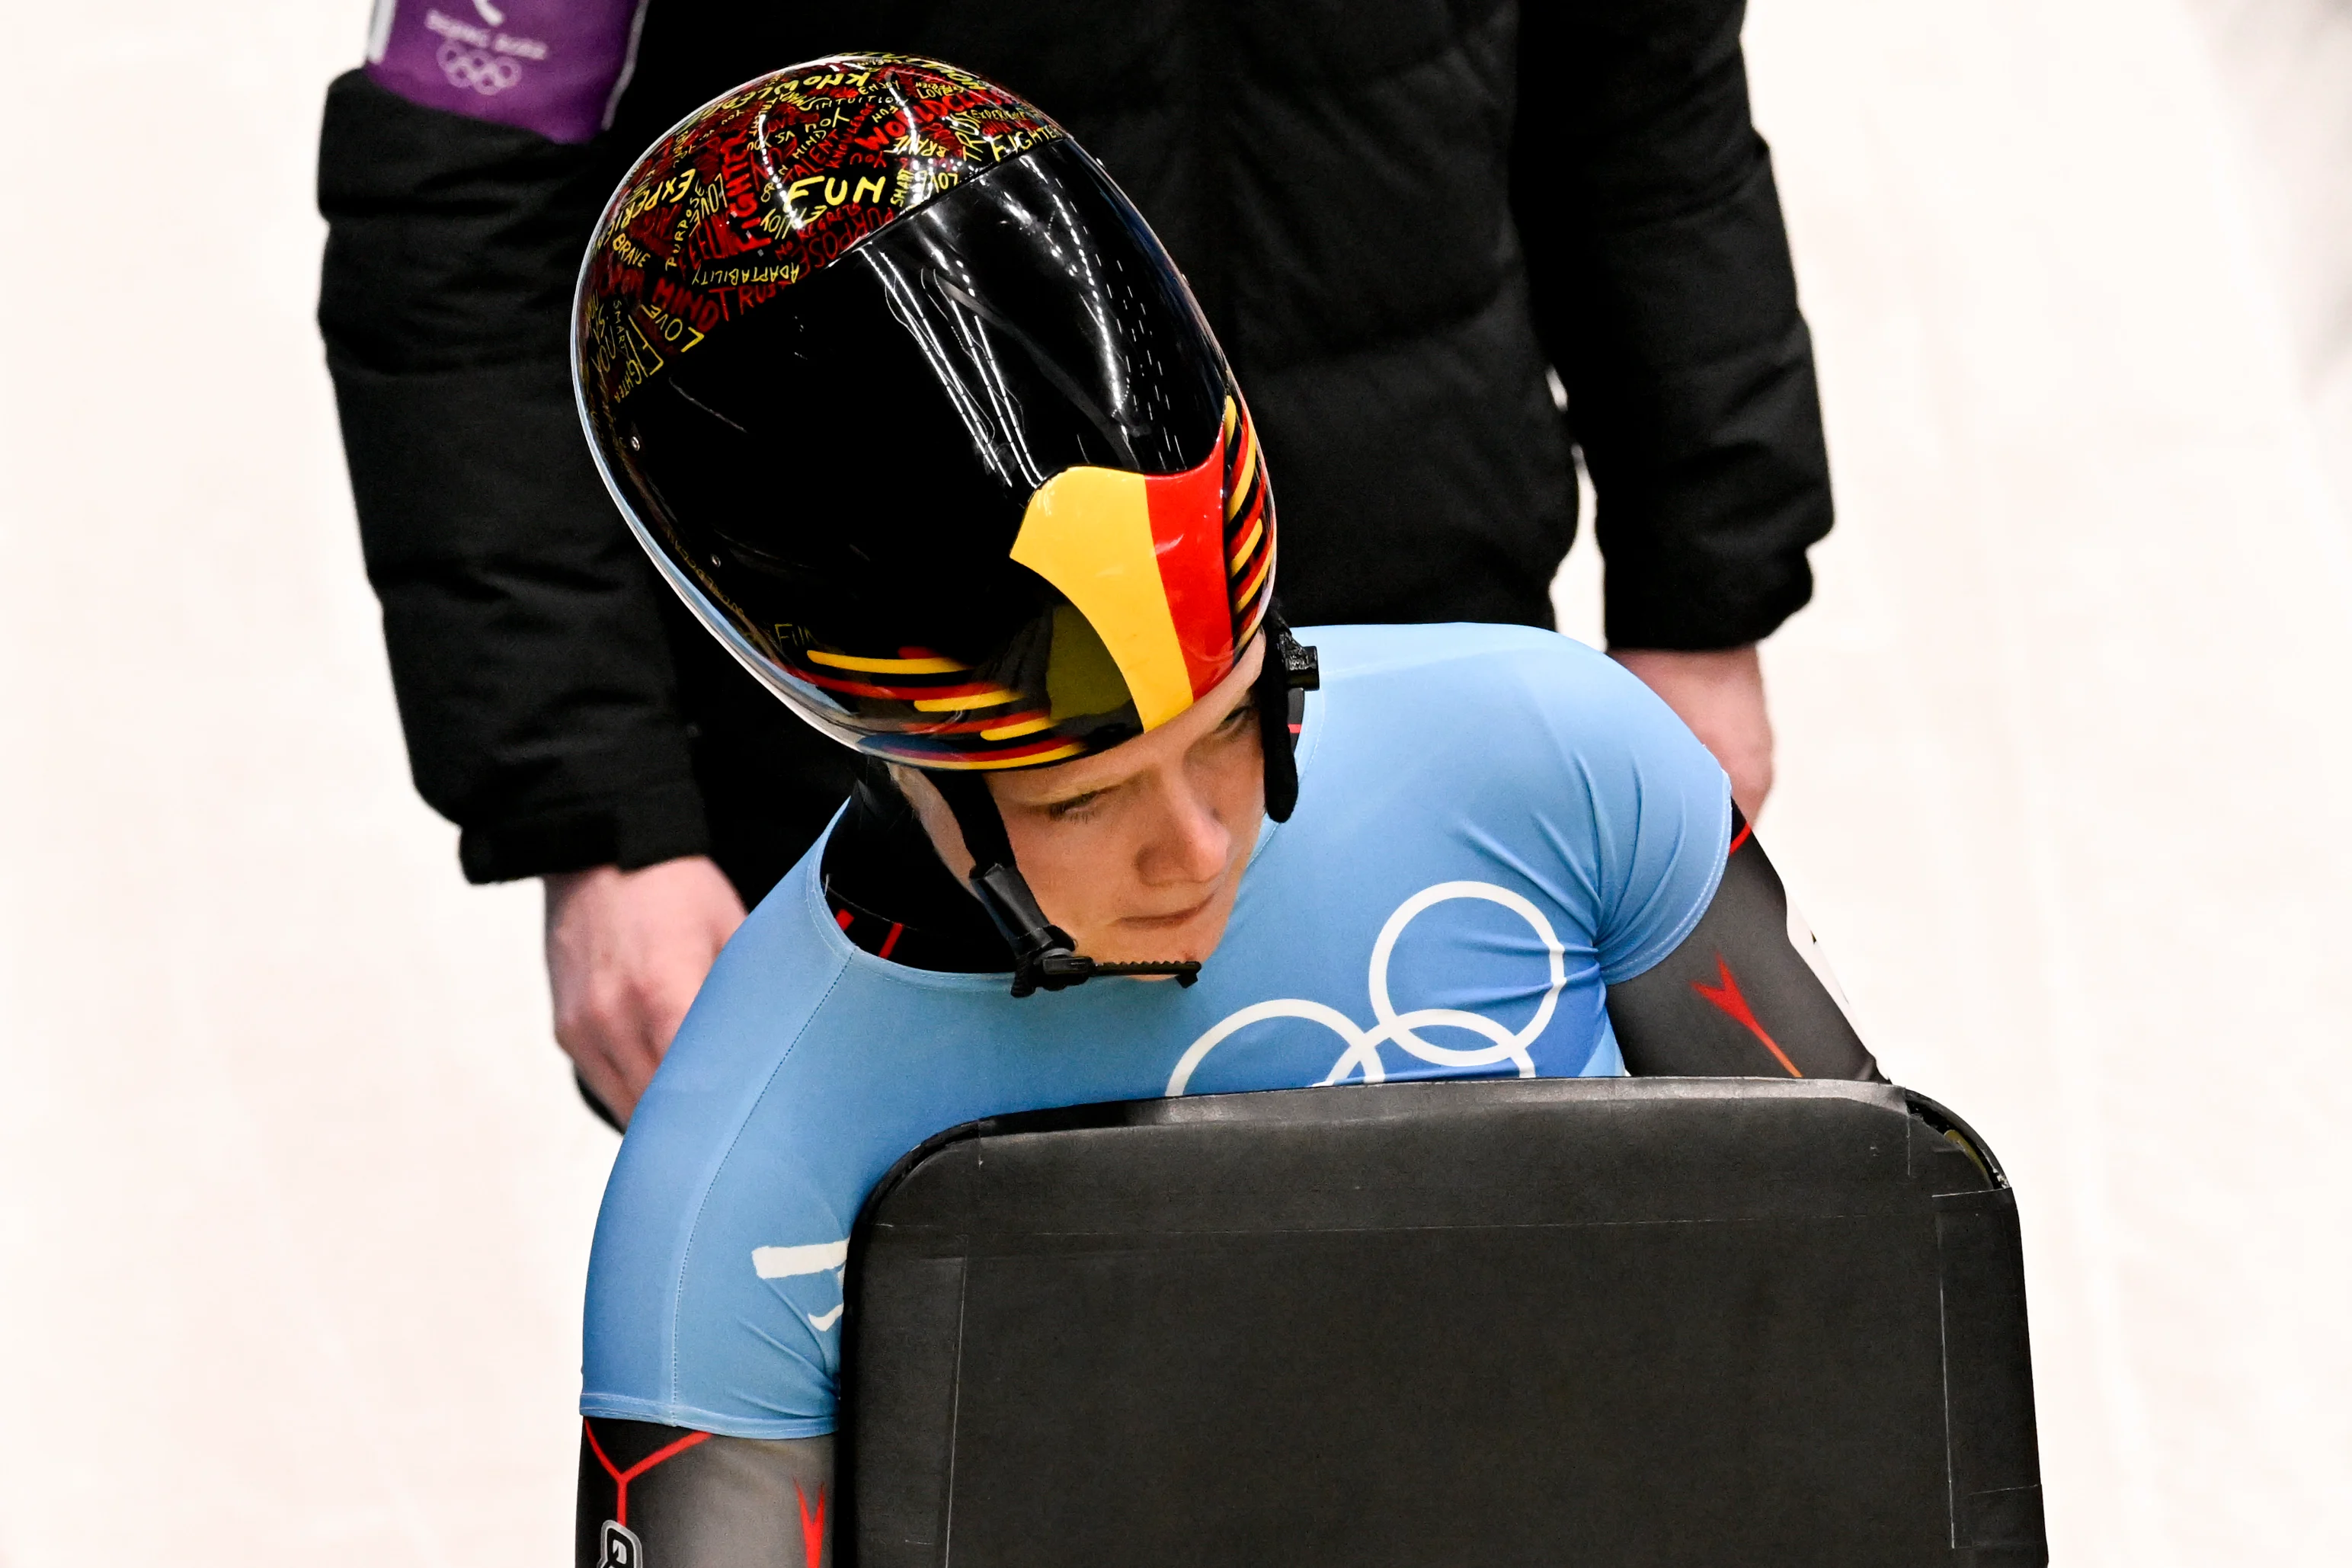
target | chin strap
x=1043, y=957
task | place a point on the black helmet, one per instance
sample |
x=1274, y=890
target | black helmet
x=911, y=409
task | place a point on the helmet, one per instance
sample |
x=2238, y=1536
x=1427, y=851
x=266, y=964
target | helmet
x=912, y=409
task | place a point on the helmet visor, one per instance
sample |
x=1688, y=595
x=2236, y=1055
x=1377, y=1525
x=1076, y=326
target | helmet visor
x=980, y=492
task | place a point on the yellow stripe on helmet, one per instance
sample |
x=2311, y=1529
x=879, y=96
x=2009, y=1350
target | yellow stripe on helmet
x=996, y=698
x=933, y=665
x=1088, y=533
x=1245, y=468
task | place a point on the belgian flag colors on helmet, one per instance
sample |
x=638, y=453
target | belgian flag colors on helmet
x=913, y=410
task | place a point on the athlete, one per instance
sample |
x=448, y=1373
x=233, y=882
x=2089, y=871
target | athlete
x=912, y=410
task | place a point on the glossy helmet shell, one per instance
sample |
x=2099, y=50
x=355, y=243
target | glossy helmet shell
x=912, y=409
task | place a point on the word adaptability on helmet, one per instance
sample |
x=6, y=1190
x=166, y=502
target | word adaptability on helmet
x=910, y=407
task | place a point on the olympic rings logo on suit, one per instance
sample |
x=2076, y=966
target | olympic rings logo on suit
x=1362, y=1053
x=485, y=72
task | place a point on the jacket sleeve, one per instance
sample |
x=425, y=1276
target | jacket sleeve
x=1664, y=293
x=524, y=627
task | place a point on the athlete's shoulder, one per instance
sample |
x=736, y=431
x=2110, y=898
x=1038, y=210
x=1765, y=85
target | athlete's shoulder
x=696, y=1168
x=771, y=977
x=1479, y=656
x=762, y=998
x=1506, y=683
x=1532, y=742
x=1358, y=652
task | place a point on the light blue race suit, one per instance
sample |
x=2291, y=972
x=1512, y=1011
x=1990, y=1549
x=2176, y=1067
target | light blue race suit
x=1493, y=823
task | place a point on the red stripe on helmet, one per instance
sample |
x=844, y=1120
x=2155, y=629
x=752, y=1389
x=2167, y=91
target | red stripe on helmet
x=1188, y=540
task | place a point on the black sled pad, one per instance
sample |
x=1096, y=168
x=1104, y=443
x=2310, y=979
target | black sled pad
x=1655, y=1322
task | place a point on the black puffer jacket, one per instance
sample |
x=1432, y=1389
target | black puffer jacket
x=1395, y=213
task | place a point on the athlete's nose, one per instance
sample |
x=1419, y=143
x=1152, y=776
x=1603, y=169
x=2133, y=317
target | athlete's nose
x=1189, y=845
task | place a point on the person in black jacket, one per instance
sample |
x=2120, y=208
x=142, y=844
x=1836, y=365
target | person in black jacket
x=1444, y=246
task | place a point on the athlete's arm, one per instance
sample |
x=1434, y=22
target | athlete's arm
x=664, y=1497
x=1740, y=998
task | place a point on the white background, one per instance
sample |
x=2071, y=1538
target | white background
x=294, y=1196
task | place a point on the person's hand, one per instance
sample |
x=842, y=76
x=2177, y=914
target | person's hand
x=1720, y=695
x=626, y=951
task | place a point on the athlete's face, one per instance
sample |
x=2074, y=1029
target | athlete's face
x=1138, y=851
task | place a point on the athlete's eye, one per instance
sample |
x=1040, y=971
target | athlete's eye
x=1077, y=805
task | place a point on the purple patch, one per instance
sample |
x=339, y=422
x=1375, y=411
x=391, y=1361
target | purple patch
x=556, y=67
